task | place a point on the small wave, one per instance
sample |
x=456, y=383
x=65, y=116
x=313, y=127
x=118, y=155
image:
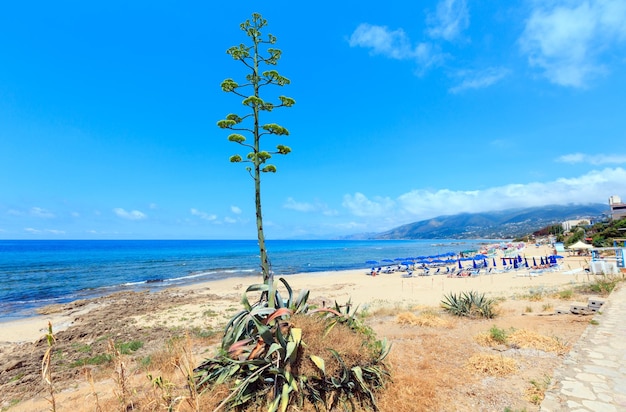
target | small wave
x=238, y=271
x=141, y=282
x=36, y=301
x=210, y=273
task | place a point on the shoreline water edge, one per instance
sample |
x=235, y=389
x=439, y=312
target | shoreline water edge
x=355, y=285
x=40, y=273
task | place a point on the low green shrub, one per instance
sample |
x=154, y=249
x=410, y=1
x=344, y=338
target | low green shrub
x=498, y=335
x=470, y=304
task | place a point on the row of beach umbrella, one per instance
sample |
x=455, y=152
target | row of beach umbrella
x=478, y=260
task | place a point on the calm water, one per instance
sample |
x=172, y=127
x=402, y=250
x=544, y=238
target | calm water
x=38, y=273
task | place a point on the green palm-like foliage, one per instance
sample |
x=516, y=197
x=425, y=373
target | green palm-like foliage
x=471, y=304
x=262, y=356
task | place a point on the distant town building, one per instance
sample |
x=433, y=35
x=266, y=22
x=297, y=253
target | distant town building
x=618, y=209
x=569, y=224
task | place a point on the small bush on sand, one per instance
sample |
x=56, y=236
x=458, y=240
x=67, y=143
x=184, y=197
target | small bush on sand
x=280, y=352
x=603, y=284
x=470, y=304
x=536, y=392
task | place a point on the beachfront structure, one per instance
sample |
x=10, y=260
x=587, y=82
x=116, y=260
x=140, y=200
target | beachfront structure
x=569, y=224
x=607, y=260
x=618, y=209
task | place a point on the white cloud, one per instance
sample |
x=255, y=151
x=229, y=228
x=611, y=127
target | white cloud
x=132, y=215
x=236, y=210
x=42, y=213
x=359, y=205
x=153, y=206
x=203, y=215
x=394, y=44
x=230, y=220
x=567, y=38
x=479, y=80
x=599, y=159
x=450, y=19
x=316, y=207
x=593, y=187
x=447, y=23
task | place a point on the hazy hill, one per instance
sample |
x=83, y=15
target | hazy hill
x=503, y=224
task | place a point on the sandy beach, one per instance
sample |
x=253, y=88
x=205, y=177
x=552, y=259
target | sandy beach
x=368, y=292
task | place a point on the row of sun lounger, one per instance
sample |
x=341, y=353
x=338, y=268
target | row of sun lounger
x=462, y=272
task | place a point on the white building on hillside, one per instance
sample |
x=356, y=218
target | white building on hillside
x=569, y=224
x=618, y=209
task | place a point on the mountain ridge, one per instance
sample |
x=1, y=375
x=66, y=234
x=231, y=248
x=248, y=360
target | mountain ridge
x=502, y=224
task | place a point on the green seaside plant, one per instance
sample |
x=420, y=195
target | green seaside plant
x=250, y=123
x=470, y=304
x=265, y=358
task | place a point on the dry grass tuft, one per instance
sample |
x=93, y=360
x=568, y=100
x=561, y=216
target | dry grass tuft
x=428, y=319
x=536, y=392
x=352, y=347
x=494, y=365
x=485, y=339
x=531, y=340
x=524, y=339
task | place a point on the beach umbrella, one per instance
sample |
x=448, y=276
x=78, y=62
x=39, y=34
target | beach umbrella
x=474, y=264
x=494, y=262
x=515, y=264
x=542, y=261
x=387, y=260
x=519, y=259
x=525, y=262
x=534, y=262
x=558, y=257
x=460, y=265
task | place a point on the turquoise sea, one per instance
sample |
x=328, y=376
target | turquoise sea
x=35, y=273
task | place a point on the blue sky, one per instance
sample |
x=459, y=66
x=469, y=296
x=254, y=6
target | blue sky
x=405, y=111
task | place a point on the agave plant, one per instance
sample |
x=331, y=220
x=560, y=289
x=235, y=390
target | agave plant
x=261, y=356
x=469, y=304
